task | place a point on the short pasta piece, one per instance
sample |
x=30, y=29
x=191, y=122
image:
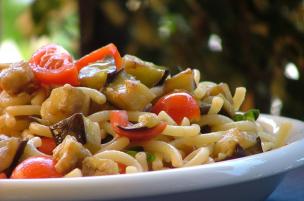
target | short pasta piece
x=182, y=131
x=197, y=157
x=120, y=157
x=166, y=150
x=23, y=110
x=216, y=105
x=40, y=130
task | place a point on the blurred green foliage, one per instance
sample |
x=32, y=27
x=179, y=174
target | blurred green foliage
x=239, y=42
x=31, y=24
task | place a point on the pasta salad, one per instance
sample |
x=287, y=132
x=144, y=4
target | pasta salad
x=104, y=114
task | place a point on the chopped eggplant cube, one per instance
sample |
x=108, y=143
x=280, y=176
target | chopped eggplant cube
x=127, y=93
x=73, y=125
x=96, y=75
x=183, y=80
x=146, y=72
x=84, y=130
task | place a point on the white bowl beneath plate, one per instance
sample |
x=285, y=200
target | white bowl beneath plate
x=251, y=178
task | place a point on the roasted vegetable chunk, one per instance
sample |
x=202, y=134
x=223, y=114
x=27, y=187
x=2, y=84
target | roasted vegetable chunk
x=69, y=154
x=93, y=166
x=148, y=73
x=96, y=75
x=16, y=78
x=183, y=80
x=84, y=130
x=226, y=146
x=63, y=102
x=128, y=94
x=8, y=149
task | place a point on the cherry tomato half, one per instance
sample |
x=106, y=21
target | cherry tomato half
x=36, y=167
x=3, y=176
x=120, y=118
x=178, y=105
x=47, y=146
x=52, y=64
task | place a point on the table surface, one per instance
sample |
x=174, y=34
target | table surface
x=291, y=188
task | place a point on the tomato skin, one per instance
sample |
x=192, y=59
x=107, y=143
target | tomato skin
x=122, y=168
x=3, y=176
x=52, y=64
x=47, y=145
x=99, y=54
x=120, y=118
x=178, y=105
x=36, y=167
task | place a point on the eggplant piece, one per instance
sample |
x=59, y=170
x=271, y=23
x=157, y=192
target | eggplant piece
x=127, y=93
x=69, y=154
x=17, y=77
x=204, y=108
x=183, y=80
x=84, y=130
x=240, y=152
x=16, y=158
x=206, y=129
x=8, y=150
x=63, y=102
x=146, y=72
x=73, y=126
x=96, y=75
x=94, y=166
x=134, y=127
x=257, y=148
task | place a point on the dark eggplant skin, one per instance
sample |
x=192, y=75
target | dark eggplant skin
x=111, y=76
x=107, y=139
x=240, y=152
x=73, y=125
x=204, y=108
x=17, y=156
x=133, y=127
x=164, y=77
x=206, y=129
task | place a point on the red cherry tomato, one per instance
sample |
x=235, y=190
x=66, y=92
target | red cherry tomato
x=52, y=64
x=3, y=176
x=36, y=167
x=122, y=168
x=120, y=118
x=99, y=54
x=178, y=105
x=47, y=146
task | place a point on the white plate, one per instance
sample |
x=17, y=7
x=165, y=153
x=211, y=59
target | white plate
x=249, y=178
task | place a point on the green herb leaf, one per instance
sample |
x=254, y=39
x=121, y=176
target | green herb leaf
x=132, y=153
x=238, y=117
x=150, y=157
x=250, y=115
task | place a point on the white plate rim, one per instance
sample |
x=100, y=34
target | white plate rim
x=168, y=181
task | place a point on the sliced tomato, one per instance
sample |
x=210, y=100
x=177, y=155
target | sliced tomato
x=122, y=168
x=3, y=176
x=47, y=146
x=119, y=118
x=178, y=105
x=52, y=64
x=36, y=167
x=100, y=54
